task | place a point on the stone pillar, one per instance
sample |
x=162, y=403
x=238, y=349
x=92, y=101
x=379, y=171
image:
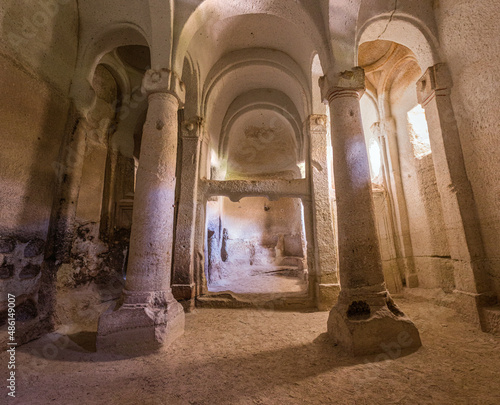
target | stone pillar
x=200, y=261
x=149, y=317
x=312, y=249
x=183, y=286
x=69, y=171
x=387, y=135
x=472, y=283
x=327, y=284
x=365, y=320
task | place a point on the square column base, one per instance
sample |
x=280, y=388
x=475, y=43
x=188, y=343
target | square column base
x=363, y=329
x=469, y=306
x=137, y=328
x=327, y=296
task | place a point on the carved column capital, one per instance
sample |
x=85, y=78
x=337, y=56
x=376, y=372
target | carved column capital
x=193, y=128
x=164, y=81
x=436, y=80
x=350, y=83
x=316, y=123
x=382, y=128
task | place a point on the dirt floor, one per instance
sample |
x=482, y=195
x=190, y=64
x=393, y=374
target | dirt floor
x=231, y=356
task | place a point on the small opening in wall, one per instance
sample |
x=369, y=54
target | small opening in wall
x=419, y=132
x=375, y=159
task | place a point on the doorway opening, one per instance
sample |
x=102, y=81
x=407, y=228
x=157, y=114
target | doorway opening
x=256, y=246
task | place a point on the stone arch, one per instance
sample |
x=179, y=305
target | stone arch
x=262, y=69
x=267, y=100
x=190, y=77
x=112, y=37
x=277, y=61
x=316, y=73
x=405, y=30
x=211, y=12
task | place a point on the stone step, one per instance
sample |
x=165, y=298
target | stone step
x=292, y=261
x=282, y=301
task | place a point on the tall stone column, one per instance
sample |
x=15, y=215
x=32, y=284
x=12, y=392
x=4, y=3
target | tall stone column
x=69, y=172
x=311, y=248
x=472, y=283
x=149, y=317
x=327, y=284
x=365, y=320
x=183, y=285
x=387, y=135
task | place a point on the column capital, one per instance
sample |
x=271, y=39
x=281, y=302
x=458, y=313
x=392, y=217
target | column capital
x=341, y=84
x=317, y=123
x=193, y=127
x=437, y=78
x=164, y=81
x=383, y=127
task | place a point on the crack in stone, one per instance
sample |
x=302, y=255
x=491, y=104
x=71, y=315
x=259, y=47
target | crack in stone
x=390, y=18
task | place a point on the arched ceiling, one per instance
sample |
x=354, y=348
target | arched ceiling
x=247, y=70
x=240, y=47
x=262, y=100
x=217, y=27
x=261, y=142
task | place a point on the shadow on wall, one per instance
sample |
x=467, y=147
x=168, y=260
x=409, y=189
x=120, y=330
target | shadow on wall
x=40, y=42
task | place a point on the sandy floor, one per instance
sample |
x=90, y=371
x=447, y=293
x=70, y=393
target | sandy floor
x=264, y=357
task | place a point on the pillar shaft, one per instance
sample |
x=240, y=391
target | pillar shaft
x=387, y=135
x=327, y=288
x=359, y=254
x=69, y=171
x=149, y=317
x=365, y=320
x=183, y=268
x=459, y=208
x=151, y=239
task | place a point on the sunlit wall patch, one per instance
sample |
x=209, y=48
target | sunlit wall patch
x=419, y=132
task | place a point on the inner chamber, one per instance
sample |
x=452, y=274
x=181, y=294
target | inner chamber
x=256, y=246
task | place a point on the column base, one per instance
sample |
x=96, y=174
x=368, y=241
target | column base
x=185, y=294
x=412, y=280
x=327, y=296
x=469, y=306
x=370, y=324
x=143, y=323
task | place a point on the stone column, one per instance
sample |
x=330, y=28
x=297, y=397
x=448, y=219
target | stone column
x=69, y=172
x=387, y=135
x=365, y=320
x=472, y=283
x=327, y=284
x=183, y=286
x=312, y=249
x=149, y=317
x=200, y=261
